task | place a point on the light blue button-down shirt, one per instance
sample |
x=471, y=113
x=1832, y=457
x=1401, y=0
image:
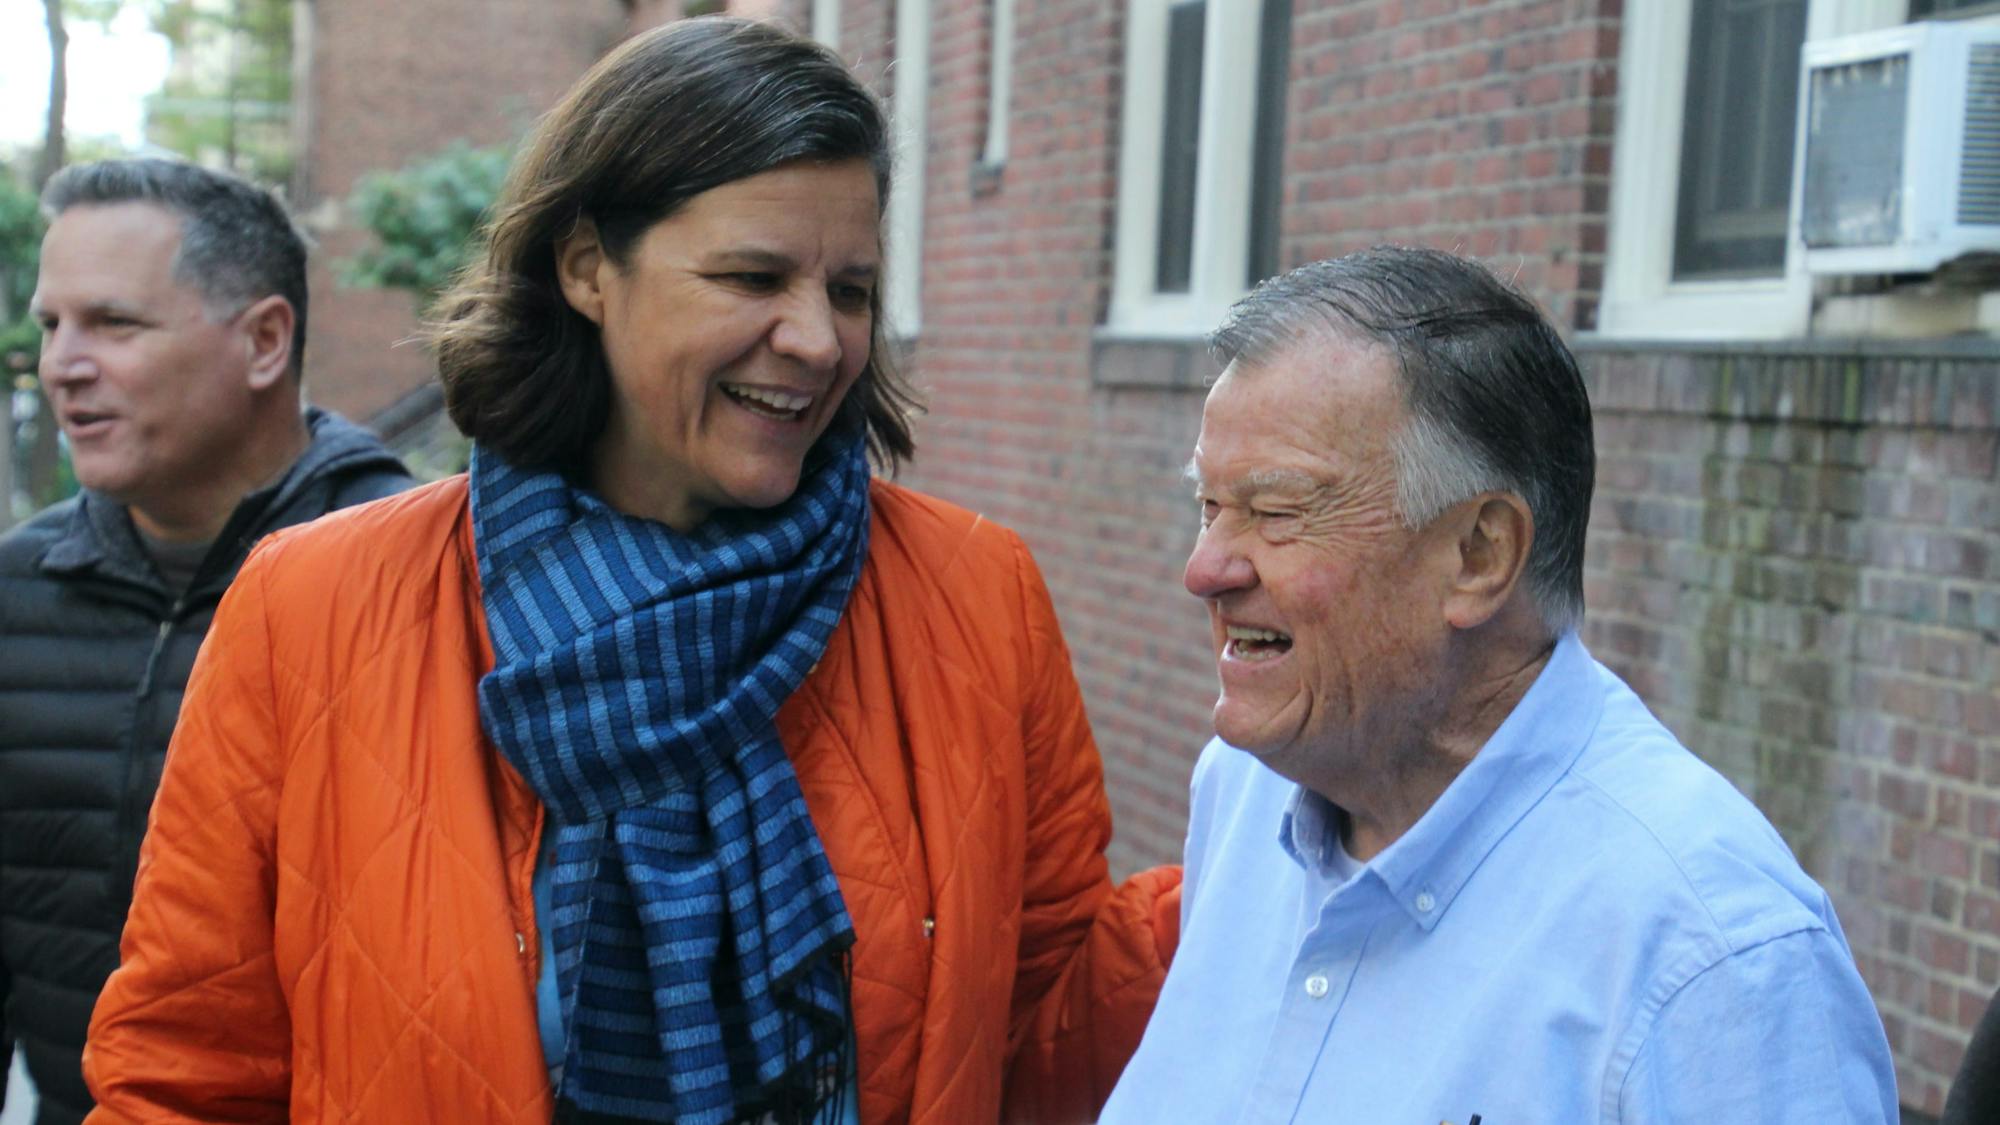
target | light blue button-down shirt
x=1590, y=925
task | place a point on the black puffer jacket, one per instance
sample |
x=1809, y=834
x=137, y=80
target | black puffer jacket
x=94, y=655
x=1975, y=1095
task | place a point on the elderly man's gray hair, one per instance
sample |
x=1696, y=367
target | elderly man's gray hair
x=1494, y=399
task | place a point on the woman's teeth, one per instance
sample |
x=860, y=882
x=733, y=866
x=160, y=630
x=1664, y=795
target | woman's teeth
x=771, y=404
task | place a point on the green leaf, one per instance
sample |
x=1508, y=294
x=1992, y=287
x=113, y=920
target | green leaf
x=426, y=219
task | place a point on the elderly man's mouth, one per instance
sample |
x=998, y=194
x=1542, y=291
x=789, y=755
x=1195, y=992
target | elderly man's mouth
x=1252, y=645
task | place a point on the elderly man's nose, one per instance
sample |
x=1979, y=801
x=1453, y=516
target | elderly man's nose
x=1215, y=567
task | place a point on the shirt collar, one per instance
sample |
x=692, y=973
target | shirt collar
x=1309, y=830
x=1537, y=743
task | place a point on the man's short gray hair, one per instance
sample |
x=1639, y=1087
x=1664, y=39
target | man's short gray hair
x=1494, y=399
x=238, y=244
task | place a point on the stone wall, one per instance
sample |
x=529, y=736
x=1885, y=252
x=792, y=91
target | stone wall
x=1795, y=559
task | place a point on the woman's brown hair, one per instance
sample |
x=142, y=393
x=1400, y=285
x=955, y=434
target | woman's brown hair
x=668, y=115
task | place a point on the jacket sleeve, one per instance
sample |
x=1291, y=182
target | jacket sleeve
x=6, y=1039
x=192, y=1026
x=1092, y=956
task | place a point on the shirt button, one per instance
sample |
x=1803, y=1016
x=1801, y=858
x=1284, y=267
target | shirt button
x=1316, y=985
x=1425, y=902
x=521, y=942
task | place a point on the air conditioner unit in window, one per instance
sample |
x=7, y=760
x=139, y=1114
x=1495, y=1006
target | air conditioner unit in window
x=1899, y=149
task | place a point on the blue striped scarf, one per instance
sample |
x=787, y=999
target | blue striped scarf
x=700, y=935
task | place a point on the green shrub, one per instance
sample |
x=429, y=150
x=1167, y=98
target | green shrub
x=426, y=219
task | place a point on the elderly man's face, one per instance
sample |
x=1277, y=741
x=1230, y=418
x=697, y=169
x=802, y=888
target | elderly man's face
x=1326, y=610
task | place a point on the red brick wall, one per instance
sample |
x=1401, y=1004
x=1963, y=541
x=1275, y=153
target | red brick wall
x=387, y=82
x=1486, y=131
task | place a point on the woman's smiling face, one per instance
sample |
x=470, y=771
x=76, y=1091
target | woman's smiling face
x=733, y=331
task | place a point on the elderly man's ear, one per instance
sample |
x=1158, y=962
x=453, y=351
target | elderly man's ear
x=1494, y=532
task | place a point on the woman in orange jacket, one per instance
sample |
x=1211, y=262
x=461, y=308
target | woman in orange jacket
x=665, y=766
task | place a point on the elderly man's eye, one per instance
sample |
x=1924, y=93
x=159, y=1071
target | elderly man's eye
x=1276, y=526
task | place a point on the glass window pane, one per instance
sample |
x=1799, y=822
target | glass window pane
x=1267, y=154
x=1180, y=146
x=1923, y=9
x=1737, y=136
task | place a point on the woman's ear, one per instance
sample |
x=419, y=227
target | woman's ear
x=1493, y=546
x=580, y=265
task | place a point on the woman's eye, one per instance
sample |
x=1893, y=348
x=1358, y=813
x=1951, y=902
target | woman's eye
x=759, y=282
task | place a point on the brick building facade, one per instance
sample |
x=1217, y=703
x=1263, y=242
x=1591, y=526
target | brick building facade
x=1795, y=554
x=383, y=83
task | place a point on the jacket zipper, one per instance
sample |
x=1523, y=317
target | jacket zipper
x=129, y=827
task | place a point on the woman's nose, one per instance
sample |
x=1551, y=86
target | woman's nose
x=806, y=332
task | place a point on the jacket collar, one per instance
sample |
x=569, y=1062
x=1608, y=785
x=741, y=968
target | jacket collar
x=100, y=539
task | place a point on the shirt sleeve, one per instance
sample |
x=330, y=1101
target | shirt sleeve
x=1781, y=1031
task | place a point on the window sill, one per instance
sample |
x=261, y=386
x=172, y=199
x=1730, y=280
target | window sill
x=1131, y=361
x=1952, y=347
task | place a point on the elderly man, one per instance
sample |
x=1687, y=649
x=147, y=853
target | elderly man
x=172, y=301
x=1442, y=865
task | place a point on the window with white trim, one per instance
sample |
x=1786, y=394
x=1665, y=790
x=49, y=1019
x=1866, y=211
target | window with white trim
x=1201, y=171
x=1701, y=172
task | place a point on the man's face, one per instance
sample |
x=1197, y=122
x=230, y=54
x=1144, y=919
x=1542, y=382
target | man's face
x=150, y=391
x=1325, y=609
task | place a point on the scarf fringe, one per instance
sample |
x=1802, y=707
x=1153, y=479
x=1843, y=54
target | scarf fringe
x=814, y=1092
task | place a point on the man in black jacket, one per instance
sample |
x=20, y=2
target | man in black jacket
x=172, y=301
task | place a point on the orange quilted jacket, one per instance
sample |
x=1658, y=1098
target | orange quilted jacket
x=333, y=920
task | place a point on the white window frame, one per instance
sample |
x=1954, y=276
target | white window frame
x=999, y=82
x=826, y=23
x=1228, y=115
x=909, y=111
x=1641, y=299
